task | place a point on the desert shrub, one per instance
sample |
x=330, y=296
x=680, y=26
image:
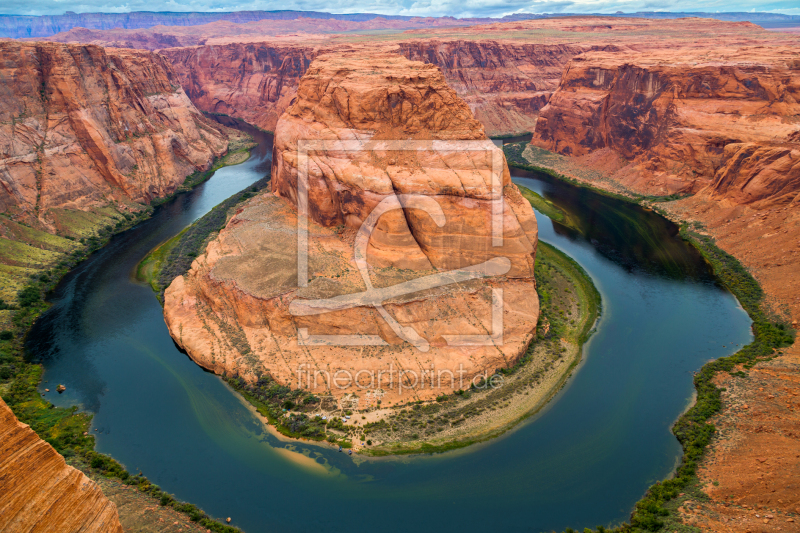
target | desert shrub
x=29, y=296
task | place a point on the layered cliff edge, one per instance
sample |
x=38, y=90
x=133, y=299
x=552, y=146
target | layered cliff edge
x=505, y=84
x=87, y=137
x=240, y=310
x=721, y=122
x=41, y=492
x=84, y=126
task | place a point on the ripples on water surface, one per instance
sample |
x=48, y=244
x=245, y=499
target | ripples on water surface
x=583, y=461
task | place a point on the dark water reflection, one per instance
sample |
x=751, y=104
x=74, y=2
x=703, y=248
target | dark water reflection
x=583, y=461
x=636, y=239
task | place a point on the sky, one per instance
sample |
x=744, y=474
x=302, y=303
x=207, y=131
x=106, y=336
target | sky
x=456, y=8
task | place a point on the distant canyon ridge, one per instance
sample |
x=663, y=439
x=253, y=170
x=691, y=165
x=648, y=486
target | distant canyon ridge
x=21, y=26
x=668, y=119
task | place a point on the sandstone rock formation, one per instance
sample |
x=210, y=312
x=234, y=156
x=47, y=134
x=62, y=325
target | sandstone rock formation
x=684, y=120
x=40, y=492
x=505, y=84
x=255, y=81
x=83, y=126
x=506, y=71
x=241, y=308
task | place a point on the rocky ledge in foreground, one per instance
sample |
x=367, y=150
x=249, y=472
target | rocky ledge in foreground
x=238, y=310
x=40, y=492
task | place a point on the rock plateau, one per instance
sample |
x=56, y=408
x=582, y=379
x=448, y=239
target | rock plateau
x=239, y=309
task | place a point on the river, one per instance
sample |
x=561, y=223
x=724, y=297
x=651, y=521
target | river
x=582, y=461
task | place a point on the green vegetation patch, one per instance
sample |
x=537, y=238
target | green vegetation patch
x=174, y=257
x=546, y=207
x=35, y=237
x=292, y=412
x=15, y=253
x=12, y=280
x=150, y=267
x=84, y=224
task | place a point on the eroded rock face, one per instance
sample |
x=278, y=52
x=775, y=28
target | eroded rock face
x=682, y=122
x=82, y=126
x=252, y=81
x=505, y=84
x=240, y=307
x=40, y=492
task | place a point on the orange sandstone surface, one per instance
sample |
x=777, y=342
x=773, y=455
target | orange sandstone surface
x=682, y=121
x=83, y=126
x=506, y=72
x=240, y=308
x=40, y=492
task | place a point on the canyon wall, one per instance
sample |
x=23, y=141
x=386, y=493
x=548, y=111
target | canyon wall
x=83, y=126
x=40, y=492
x=254, y=81
x=505, y=84
x=669, y=122
x=242, y=310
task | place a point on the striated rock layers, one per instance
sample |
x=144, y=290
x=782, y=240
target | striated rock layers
x=505, y=84
x=82, y=126
x=722, y=121
x=40, y=492
x=429, y=271
x=251, y=81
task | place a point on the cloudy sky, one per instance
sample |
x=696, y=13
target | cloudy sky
x=456, y=8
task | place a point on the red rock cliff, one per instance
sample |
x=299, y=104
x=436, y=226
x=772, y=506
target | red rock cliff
x=684, y=120
x=40, y=492
x=254, y=81
x=505, y=84
x=81, y=126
